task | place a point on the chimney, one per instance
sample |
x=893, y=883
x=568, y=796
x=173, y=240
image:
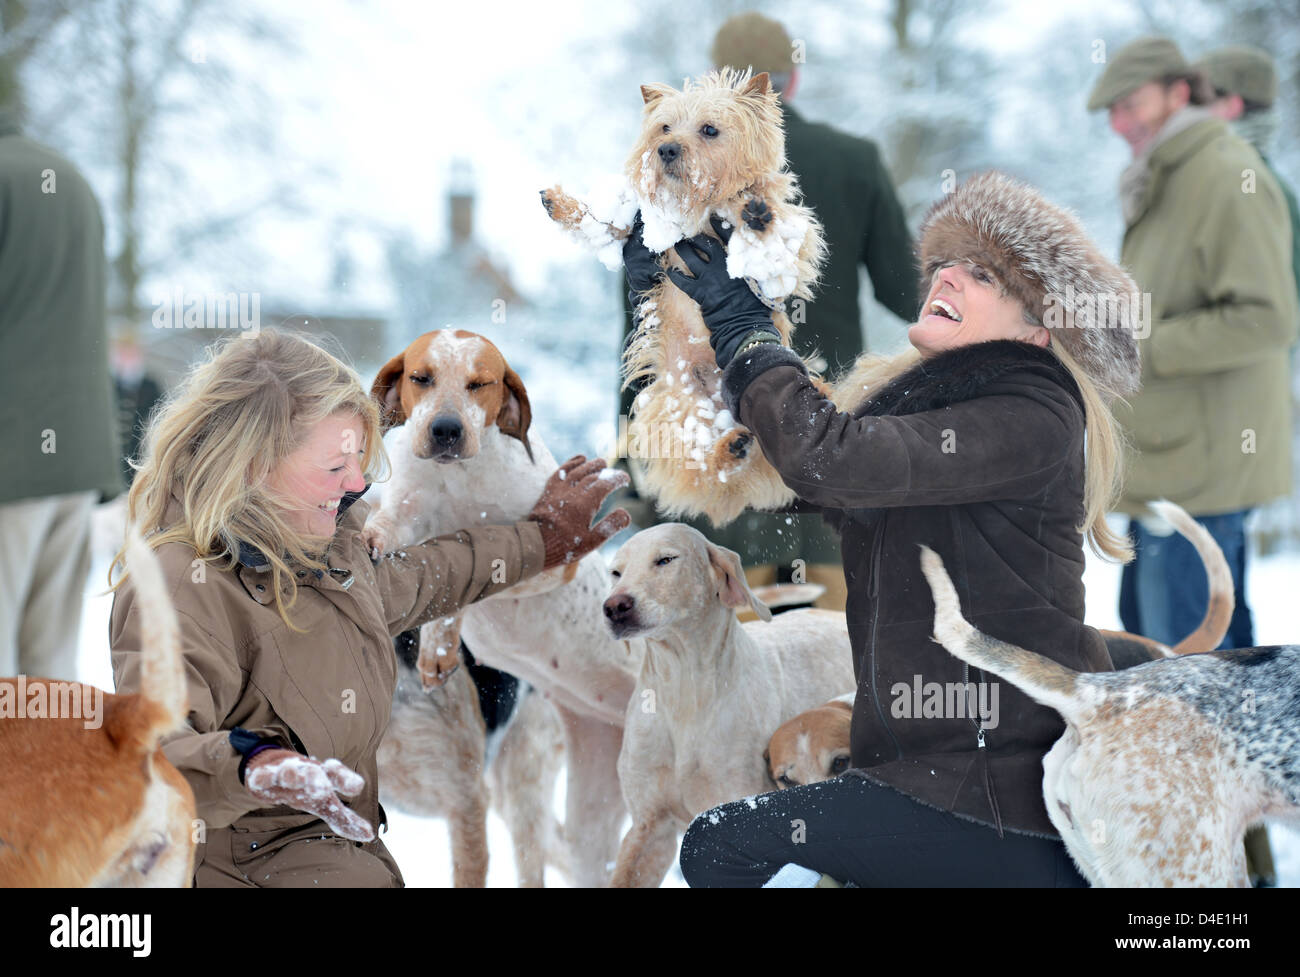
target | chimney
x=460, y=202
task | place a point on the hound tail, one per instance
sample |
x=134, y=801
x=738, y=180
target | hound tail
x=1041, y=678
x=162, y=669
x=1218, y=614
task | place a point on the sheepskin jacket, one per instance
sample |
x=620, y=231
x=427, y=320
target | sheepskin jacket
x=977, y=453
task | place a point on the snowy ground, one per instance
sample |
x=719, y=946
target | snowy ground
x=421, y=846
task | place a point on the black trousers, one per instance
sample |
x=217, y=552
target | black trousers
x=865, y=834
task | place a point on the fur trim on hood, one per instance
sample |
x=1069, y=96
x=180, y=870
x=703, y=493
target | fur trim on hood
x=1043, y=258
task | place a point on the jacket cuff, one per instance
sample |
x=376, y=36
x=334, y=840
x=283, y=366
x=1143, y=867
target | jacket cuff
x=747, y=366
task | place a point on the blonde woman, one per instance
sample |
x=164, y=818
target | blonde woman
x=990, y=441
x=250, y=485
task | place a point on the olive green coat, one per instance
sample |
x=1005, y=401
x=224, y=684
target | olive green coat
x=1210, y=243
x=57, y=432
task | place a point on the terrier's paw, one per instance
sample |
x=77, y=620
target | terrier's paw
x=562, y=208
x=757, y=214
x=732, y=452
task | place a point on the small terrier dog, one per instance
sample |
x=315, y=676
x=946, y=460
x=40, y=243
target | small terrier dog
x=716, y=147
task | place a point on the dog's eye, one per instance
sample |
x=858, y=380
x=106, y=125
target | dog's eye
x=421, y=380
x=708, y=131
x=785, y=781
x=475, y=384
x=615, y=574
x=664, y=561
x=666, y=127
x=839, y=765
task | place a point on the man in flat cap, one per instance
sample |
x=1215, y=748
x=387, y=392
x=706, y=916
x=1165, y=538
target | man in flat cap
x=1209, y=239
x=844, y=180
x=1245, y=87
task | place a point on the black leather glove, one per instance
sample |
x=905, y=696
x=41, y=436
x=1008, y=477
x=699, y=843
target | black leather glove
x=734, y=315
x=642, y=265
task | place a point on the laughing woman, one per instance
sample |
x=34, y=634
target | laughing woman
x=251, y=486
x=972, y=443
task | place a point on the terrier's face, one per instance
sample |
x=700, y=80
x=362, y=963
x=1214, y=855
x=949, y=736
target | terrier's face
x=707, y=143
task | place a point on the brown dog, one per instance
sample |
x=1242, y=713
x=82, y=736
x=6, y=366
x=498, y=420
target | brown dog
x=89, y=799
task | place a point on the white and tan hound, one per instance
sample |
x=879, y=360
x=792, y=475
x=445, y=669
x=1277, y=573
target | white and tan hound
x=711, y=689
x=1163, y=766
x=814, y=746
x=88, y=799
x=464, y=454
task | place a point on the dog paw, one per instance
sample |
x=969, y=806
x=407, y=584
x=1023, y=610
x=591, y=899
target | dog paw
x=375, y=540
x=757, y=214
x=739, y=444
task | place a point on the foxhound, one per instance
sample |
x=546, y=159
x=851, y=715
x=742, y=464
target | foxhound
x=464, y=453
x=1163, y=766
x=814, y=746
x=711, y=688
x=89, y=800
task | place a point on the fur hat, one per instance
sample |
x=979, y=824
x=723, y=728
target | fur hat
x=1042, y=257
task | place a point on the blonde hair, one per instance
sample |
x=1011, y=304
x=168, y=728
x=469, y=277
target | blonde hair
x=220, y=435
x=1103, y=445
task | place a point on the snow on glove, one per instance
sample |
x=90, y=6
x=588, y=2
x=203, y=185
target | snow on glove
x=307, y=784
x=569, y=502
x=734, y=315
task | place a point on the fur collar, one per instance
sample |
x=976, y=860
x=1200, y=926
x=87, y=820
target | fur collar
x=961, y=374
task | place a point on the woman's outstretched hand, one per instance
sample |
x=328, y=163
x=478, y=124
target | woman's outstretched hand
x=307, y=784
x=732, y=312
x=569, y=502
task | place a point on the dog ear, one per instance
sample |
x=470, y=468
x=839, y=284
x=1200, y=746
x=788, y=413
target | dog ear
x=652, y=93
x=758, y=85
x=733, y=588
x=516, y=414
x=386, y=391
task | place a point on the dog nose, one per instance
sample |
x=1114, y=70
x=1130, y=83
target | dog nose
x=619, y=606
x=446, y=430
x=669, y=151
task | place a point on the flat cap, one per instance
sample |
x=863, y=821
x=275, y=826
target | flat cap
x=1242, y=70
x=1135, y=64
x=752, y=40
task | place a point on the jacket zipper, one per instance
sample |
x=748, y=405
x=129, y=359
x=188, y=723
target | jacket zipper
x=983, y=758
x=877, y=545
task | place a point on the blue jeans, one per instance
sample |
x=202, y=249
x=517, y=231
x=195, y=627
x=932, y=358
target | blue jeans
x=1164, y=592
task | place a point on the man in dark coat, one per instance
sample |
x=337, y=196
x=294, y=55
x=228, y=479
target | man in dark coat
x=845, y=182
x=57, y=432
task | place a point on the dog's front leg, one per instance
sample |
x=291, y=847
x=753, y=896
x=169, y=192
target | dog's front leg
x=593, y=798
x=646, y=853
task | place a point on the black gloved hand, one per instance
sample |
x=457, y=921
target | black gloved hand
x=642, y=265
x=734, y=315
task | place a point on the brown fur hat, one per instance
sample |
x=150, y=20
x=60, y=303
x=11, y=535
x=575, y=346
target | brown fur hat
x=1042, y=257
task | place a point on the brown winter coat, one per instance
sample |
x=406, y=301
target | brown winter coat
x=978, y=455
x=326, y=692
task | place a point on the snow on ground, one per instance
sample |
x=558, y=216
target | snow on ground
x=421, y=846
